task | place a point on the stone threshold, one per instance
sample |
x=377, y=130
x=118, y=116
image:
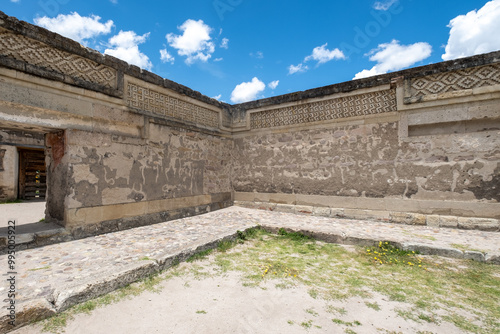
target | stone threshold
x=408, y=218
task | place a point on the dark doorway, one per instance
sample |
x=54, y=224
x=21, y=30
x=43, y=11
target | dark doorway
x=32, y=174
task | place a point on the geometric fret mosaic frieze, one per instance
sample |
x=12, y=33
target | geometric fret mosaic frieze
x=342, y=107
x=143, y=98
x=469, y=78
x=39, y=54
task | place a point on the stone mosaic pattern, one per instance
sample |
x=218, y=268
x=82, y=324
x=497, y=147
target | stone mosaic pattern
x=458, y=80
x=42, y=55
x=161, y=104
x=343, y=107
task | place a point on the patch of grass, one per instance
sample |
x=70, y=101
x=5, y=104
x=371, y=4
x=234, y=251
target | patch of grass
x=225, y=245
x=278, y=269
x=200, y=255
x=386, y=253
x=313, y=293
x=374, y=306
x=42, y=220
x=146, y=258
x=201, y=312
x=56, y=324
x=312, y=312
x=290, y=322
x=306, y=324
x=331, y=272
x=333, y=309
x=346, y=323
x=296, y=236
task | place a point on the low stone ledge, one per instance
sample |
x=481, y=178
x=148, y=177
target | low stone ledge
x=67, y=296
x=26, y=313
x=424, y=249
x=492, y=259
x=408, y=218
x=482, y=224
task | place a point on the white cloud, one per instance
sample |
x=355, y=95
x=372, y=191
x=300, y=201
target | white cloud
x=218, y=59
x=258, y=54
x=247, y=91
x=76, y=27
x=273, y=84
x=297, y=69
x=384, y=5
x=125, y=46
x=474, y=33
x=15, y=1
x=195, y=41
x=217, y=97
x=225, y=43
x=322, y=55
x=393, y=56
x=166, y=57
x=114, y=1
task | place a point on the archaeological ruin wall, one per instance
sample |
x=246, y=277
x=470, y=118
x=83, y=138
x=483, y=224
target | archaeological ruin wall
x=420, y=146
x=124, y=147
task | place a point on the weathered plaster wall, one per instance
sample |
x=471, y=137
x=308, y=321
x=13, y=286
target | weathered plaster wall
x=428, y=144
x=126, y=147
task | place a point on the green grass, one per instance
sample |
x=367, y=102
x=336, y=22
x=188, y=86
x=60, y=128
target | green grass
x=374, y=306
x=435, y=290
x=41, y=268
x=200, y=255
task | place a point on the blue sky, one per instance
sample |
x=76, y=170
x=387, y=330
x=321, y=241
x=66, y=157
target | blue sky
x=240, y=50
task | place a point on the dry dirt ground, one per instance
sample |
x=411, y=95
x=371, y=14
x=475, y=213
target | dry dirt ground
x=268, y=285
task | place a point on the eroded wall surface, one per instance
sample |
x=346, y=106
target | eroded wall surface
x=125, y=147
x=426, y=144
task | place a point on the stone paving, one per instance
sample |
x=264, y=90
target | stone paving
x=55, y=277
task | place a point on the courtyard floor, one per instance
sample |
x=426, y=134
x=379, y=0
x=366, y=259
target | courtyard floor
x=53, y=278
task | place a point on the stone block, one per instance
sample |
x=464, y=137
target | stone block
x=469, y=223
x=266, y=206
x=448, y=221
x=433, y=220
x=476, y=256
x=321, y=211
x=285, y=208
x=26, y=313
x=492, y=258
x=337, y=213
x=407, y=218
x=303, y=210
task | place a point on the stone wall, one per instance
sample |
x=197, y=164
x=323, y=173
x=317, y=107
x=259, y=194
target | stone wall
x=426, y=144
x=125, y=147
